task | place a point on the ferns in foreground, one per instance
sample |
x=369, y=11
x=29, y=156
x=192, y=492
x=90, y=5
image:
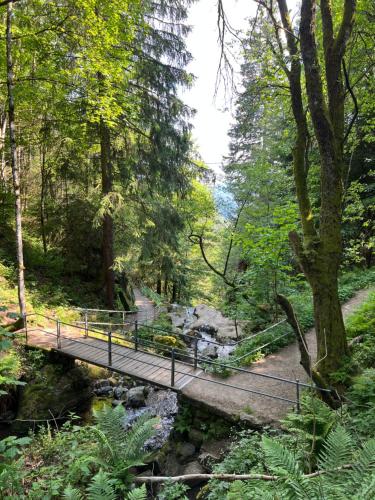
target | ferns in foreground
x=102, y=487
x=119, y=447
x=343, y=472
x=119, y=450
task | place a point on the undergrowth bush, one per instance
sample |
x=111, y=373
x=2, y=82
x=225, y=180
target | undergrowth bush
x=349, y=283
x=77, y=461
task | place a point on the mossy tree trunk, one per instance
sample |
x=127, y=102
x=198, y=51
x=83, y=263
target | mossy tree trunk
x=14, y=161
x=319, y=248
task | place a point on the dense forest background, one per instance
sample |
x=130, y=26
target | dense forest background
x=103, y=191
x=112, y=191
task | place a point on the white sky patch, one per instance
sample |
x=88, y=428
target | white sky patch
x=213, y=118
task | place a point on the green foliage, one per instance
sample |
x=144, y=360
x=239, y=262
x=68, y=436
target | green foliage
x=184, y=419
x=119, y=448
x=155, y=297
x=101, y=486
x=10, y=366
x=334, y=482
x=84, y=461
x=11, y=467
x=362, y=322
x=361, y=398
x=173, y=491
x=311, y=426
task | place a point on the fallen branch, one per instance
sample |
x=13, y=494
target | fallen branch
x=228, y=477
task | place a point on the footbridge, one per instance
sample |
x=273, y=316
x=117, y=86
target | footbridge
x=121, y=346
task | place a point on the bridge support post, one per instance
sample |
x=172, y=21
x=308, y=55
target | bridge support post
x=195, y=353
x=298, y=396
x=86, y=325
x=109, y=348
x=25, y=325
x=173, y=357
x=136, y=335
x=58, y=334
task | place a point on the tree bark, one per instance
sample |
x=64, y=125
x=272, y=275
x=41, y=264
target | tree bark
x=43, y=196
x=13, y=161
x=158, y=286
x=319, y=252
x=107, y=242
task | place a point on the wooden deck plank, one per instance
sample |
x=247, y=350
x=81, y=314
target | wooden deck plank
x=131, y=362
x=140, y=364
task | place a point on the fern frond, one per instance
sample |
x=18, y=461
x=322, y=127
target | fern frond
x=367, y=488
x=365, y=461
x=71, y=493
x=337, y=449
x=279, y=459
x=142, y=430
x=101, y=487
x=137, y=494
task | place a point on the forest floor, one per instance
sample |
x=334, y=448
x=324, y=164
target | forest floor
x=256, y=409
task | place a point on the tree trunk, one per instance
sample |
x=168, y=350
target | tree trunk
x=107, y=242
x=329, y=324
x=174, y=292
x=13, y=161
x=42, y=197
x=319, y=252
x=158, y=286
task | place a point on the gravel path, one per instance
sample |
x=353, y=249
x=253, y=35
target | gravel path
x=254, y=408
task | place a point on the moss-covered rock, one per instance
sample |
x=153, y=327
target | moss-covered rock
x=54, y=392
x=170, y=341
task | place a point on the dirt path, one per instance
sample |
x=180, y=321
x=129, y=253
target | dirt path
x=146, y=309
x=252, y=407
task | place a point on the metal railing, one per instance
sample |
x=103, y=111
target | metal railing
x=194, y=339
x=171, y=332
x=136, y=343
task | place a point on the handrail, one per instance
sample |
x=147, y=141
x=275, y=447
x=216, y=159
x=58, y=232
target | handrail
x=218, y=382
x=172, y=332
x=119, y=311
x=237, y=369
x=213, y=342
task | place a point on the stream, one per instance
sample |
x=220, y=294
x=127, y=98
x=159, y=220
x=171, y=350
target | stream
x=207, y=342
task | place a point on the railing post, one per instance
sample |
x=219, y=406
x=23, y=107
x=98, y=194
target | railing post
x=298, y=396
x=25, y=323
x=86, y=325
x=172, y=367
x=195, y=353
x=109, y=348
x=123, y=323
x=136, y=335
x=58, y=334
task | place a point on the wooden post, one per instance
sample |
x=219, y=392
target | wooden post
x=123, y=323
x=136, y=335
x=86, y=325
x=195, y=353
x=58, y=334
x=172, y=367
x=298, y=396
x=109, y=348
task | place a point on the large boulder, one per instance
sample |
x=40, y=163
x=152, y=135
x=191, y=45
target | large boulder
x=210, y=351
x=212, y=321
x=185, y=451
x=136, y=396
